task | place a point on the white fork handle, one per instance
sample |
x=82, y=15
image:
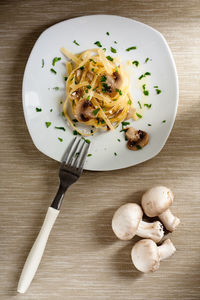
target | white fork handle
x=35, y=255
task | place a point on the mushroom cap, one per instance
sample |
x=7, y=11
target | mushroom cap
x=156, y=200
x=137, y=139
x=126, y=220
x=145, y=256
x=83, y=111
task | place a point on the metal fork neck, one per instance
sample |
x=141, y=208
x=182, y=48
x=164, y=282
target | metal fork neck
x=59, y=197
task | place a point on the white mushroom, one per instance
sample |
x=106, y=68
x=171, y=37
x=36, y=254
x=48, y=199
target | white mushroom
x=146, y=255
x=127, y=222
x=156, y=202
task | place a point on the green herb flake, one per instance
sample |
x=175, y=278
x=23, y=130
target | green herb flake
x=107, y=33
x=88, y=98
x=87, y=141
x=115, y=153
x=94, y=89
x=131, y=48
x=95, y=112
x=125, y=123
x=138, y=147
x=141, y=77
x=92, y=69
x=103, y=78
x=47, y=124
x=77, y=154
x=139, y=104
x=93, y=60
x=148, y=105
x=129, y=102
x=164, y=121
x=146, y=93
x=76, y=132
x=65, y=78
x=56, y=59
x=43, y=63
x=53, y=71
x=38, y=109
x=158, y=91
x=89, y=155
x=61, y=128
x=91, y=131
x=61, y=102
x=76, y=43
x=82, y=68
x=155, y=86
x=56, y=88
x=86, y=91
x=149, y=124
x=119, y=140
x=138, y=115
x=51, y=110
x=115, y=42
x=147, y=74
x=89, y=86
x=136, y=63
x=119, y=91
x=63, y=114
x=109, y=58
x=103, y=122
x=74, y=120
x=146, y=60
x=98, y=44
x=113, y=50
x=60, y=139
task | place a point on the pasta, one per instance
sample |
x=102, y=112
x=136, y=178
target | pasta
x=97, y=89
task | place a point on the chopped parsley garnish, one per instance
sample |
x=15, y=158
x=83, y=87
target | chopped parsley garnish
x=119, y=91
x=94, y=89
x=53, y=71
x=113, y=50
x=164, y=121
x=125, y=123
x=48, y=124
x=75, y=121
x=51, y=110
x=95, y=112
x=65, y=78
x=129, y=102
x=144, y=75
x=89, y=86
x=107, y=33
x=102, y=122
x=136, y=63
x=92, y=69
x=75, y=42
x=82, y=68
x=106, y=88
x=119, y=140
x=91, y=131
x=115, y=42
x=138, y=147
x=93, y=60
x=155, y=86
x=88, y=98
x=115, y=153
x=148, y=105
x=43, y=63
x=89, y=155
x=131, y=48
x=77, y=154
x=104, y=49
x=149, y=124
x=76, y=132
x=115, y=99
x=103, y=78
x=56, y=88
x=61, y=102
x=55, y=60
x=109, y=58
x=61, y=128
x=139, y=104
x=38, y=109
x=86, y=91
x=63, y=114
x=158, y=91
x=145, y=92
x=138, y=115
x=98, y=44
x=60, y=139
x=146, y=60
x=87, y=141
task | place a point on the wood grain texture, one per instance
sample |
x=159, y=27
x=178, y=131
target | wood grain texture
x=83, y=259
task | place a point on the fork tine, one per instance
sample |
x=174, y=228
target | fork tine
x=73, y=152
x=76, y=159
x=83, y=158
x=67, y=152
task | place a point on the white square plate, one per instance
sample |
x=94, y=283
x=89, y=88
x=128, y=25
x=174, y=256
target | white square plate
x=38, y=84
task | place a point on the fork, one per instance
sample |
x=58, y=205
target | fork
x=69, y=172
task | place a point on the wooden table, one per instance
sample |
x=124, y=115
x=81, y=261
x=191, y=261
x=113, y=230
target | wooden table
x=83, y=259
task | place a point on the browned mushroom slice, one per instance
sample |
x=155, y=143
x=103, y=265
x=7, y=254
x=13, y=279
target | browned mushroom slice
x=89, y=76
x=77, y=94
x=112, y=83
x=84, y=111
x=137, y=139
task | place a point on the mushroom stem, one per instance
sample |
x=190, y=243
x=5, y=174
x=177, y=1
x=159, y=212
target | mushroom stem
x=169, y=220
x=152, y=231
x=166, y=249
